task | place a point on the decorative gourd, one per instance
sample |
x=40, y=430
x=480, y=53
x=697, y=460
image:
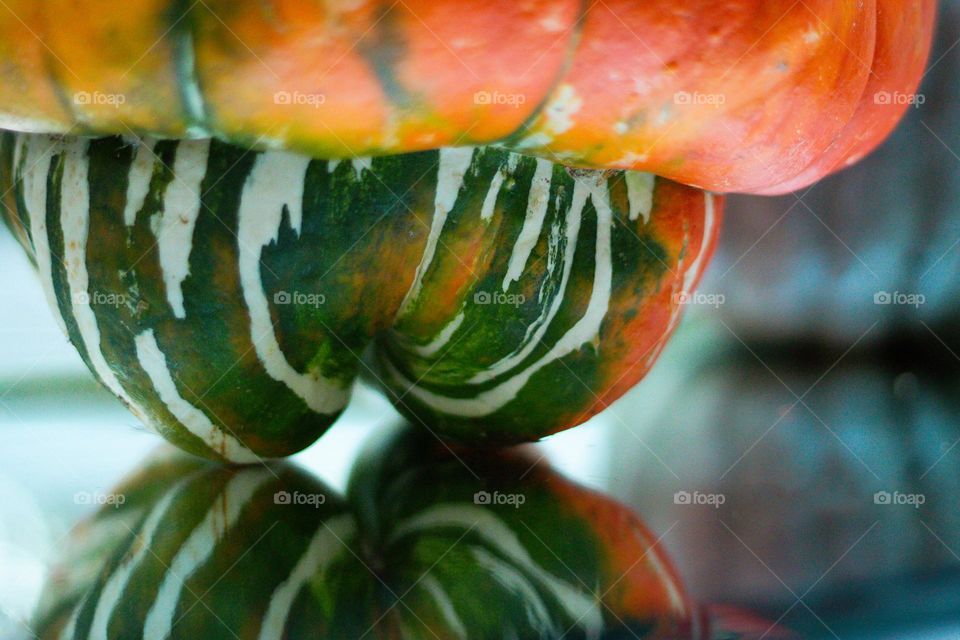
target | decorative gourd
x=731, y=95
x=195, y=550
x=226, y=295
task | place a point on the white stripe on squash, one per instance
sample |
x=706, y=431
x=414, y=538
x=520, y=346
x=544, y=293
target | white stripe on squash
x=496, y=184
x=37, y=154
x=199, y=548
x=440, y=597
x=709, y=221
x=490, y=200
x=70, y=628
x=689, y=274
x=640, y=194
x=513, y=580
x=190, y=86
x=115, y=586
x=585, y=330
x=174, y=227
x=443, y=337
x=154, y=364
x=326, y=545
x=537, y=204
x=361, y=163
x=542, y=324
x=138, y=180
x=486, y=214
x=75, y=224
x=453, y=166
x=581, y=606
x=276, y=181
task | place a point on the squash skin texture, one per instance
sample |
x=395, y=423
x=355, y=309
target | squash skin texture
x=407, y=476
x=898, y=63
x=741, y=95
x=586, y=563
x=507, y=297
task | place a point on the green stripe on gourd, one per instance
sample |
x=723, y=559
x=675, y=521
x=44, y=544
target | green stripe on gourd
x=227, y=295
x=200, y=551
x=215, y=549
x=475, y=532
x=9, y=210
x=458, y=557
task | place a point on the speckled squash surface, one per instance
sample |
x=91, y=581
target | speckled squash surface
x=227, y=295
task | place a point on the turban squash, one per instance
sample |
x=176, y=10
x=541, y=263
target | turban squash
x=472, y=197
x=227, y=295
x=416, y=550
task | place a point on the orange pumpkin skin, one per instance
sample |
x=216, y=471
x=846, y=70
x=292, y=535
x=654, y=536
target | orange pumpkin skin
x=738, y=95
x=898, y=63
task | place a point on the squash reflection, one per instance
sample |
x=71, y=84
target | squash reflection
x=428, y=543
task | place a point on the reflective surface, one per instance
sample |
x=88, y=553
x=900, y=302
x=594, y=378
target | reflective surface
x=834, y=488
x=759, y=500
x=426, y=542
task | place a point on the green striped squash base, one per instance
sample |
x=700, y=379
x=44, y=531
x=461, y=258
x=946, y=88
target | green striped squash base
x=227, y=296
x=416, y=552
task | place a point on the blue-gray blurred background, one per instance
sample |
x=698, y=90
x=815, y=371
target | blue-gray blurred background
x=819, y=398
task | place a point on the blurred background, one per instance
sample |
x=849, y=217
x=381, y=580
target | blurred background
x=797, y=446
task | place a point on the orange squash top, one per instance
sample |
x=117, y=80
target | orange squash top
x=760, y=96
